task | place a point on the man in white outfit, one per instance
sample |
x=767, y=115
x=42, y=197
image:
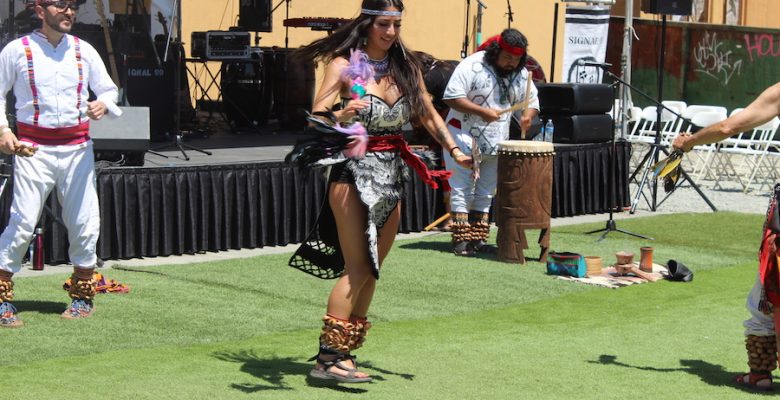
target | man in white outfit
x=49, y=72
x=482, y=85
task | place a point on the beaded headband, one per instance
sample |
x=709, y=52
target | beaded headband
x=381, y=13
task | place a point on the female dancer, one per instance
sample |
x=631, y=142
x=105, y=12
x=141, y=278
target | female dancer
x=364, y=193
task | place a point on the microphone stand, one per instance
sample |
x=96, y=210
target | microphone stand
x=464, y=52
x=178, y=135
x=611, y=224
x=509, y=14
x=651, y=158
x=655, y=148
x=480, y=6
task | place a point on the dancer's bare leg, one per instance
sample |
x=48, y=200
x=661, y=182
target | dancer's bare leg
x=385, y=243
x=351, y=215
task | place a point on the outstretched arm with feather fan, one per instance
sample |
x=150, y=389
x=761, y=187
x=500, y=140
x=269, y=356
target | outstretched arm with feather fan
x=765, y=107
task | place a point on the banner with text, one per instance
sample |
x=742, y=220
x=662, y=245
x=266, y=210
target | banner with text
x=585, y=44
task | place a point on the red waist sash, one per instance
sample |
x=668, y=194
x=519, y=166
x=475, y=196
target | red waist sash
x=53, y=136
x=397, y=143
x=767, y=263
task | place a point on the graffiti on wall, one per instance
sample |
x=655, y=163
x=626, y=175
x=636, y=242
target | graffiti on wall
x=714, y=59
x=761, y=45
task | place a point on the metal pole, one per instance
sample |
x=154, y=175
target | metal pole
x=625, y=71
x=554, y=42
x=661, y=58
x=480, y=6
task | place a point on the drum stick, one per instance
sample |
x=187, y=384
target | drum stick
x=526, y=100
x=519, y=106
x=437, y=222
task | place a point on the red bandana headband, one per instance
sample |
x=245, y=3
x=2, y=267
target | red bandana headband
x=515, y=51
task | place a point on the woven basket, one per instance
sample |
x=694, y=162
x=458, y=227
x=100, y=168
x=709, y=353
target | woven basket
x=593, y=264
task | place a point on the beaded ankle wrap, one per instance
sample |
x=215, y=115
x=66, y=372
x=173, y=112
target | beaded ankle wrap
x=336, y=335
x=82, y=289
x=480, y=226
x=762, y=353
x=361, y=327
x=6, y=291
x=461, y=230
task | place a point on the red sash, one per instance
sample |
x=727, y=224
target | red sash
x=397, y=143
x=767, y=263
x=53, y=136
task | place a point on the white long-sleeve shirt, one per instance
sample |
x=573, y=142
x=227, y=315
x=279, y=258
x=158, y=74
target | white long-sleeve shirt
x=56, y=79
x=477, y=81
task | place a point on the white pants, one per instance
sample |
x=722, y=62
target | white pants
x=468, y=195
x=71, y=169
x=759, y=324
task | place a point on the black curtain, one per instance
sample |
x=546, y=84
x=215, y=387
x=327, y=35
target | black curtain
x=150, y=212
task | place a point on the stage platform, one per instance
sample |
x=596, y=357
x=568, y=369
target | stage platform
x=248, y=147
x=244, y=196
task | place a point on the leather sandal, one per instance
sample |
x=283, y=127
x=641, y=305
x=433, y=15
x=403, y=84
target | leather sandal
x=326, y=374
x=751, y=379
x=463, y=249
x=481, y=246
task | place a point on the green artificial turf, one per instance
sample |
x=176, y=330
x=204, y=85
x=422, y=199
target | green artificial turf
x=446, y=327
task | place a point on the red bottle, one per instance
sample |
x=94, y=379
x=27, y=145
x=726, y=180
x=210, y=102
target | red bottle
x=37, y=258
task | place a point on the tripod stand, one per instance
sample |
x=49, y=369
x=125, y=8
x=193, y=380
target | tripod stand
x=651, y=158
x=178, y=135
x=611, y=224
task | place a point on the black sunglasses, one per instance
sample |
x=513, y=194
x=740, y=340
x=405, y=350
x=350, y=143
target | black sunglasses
x=62, y=5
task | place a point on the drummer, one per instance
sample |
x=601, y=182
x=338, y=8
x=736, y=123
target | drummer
x=483, y=85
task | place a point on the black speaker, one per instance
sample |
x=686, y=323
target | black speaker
x=255, y=15
x=246, y=93
x=574, y=98
x=591, y=128
x=673, y=7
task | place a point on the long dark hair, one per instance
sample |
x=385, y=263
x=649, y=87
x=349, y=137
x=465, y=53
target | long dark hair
x=404, y=63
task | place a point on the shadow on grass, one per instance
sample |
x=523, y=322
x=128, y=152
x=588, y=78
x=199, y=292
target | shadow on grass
x=273, y=371
x=711, y=374
x=446, y=247
x=43, y=307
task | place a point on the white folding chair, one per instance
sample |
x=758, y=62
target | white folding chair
x=694, y=117
x=642, y=134
x=762, y=165
x=677, y=105
x=750, y=150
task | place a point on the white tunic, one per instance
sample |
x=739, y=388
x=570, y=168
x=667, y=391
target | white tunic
x=477, y=81
x=56, y=80
x=69, y=168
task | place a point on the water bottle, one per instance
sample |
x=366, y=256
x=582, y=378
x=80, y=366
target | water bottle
x=549, y=128
x=36, y=256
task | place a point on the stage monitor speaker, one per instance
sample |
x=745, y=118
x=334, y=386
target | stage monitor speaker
x=125, y=136
x=129, y=131
x=672, y=7
x=591, y=128
x=575, y=98
x=255, y=15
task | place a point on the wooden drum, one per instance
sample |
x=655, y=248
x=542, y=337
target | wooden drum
x=523, y=197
